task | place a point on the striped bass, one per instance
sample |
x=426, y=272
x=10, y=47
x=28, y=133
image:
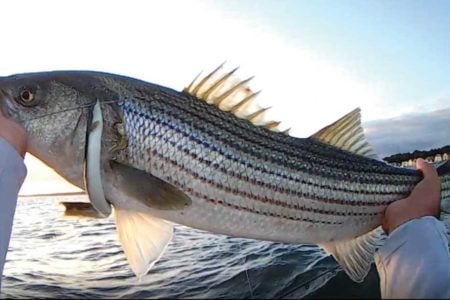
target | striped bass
x=208, y=158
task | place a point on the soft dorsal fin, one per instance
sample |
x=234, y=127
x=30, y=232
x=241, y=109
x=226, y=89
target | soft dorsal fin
x=229, y=93
x=347, y=134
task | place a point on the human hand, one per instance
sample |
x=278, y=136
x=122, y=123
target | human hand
x=14, y=134
x=423, y=201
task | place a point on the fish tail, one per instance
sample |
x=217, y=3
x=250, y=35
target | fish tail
x=444, y=174
x=444, y=169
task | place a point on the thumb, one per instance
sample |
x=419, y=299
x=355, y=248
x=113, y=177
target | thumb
x=427, y=169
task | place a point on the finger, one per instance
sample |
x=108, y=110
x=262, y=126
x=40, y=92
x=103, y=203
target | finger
x=3, y=115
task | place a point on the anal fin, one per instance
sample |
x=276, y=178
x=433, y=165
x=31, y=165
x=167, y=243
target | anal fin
x=356, y=255
x=144, y=239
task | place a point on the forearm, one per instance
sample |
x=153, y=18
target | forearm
x=12, y=175
x=415, y=261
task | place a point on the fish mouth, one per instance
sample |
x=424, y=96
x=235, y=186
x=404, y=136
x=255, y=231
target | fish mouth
x=7, y=104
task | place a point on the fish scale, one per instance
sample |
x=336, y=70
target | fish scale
x=404, y=176
x=293, y=152
x=249, y=164
x=134, y=111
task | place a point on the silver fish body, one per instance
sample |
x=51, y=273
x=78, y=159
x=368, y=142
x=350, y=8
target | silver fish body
x=167, y=155
x=247, y=181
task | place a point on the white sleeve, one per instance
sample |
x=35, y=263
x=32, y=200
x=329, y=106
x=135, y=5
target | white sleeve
x=12, y=175
x=415, y=261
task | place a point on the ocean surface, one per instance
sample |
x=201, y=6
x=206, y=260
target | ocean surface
x=53, y=256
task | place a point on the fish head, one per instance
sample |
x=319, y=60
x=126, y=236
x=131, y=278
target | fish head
x=55, y=110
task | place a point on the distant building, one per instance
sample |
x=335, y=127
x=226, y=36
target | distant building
x=437, y=159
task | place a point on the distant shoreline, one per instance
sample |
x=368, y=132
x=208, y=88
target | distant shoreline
x=54, y=194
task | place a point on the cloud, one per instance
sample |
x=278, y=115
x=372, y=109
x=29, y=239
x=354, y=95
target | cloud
x=409, y=132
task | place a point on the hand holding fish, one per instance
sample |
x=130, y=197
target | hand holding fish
x=423, y=200
x=14, y=134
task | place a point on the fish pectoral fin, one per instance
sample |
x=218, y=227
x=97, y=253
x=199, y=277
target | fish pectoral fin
x=144, y=239
x=356, y=255
x=148, y=189
x=347, y=134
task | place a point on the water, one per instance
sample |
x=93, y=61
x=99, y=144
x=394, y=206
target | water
x=52, y=256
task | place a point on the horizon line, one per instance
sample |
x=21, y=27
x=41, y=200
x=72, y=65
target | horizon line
x=53, y=194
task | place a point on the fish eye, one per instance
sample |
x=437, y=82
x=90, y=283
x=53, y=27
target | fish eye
x=26, y=96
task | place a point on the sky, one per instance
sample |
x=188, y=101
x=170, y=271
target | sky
x=409, y=132
x=313, y=60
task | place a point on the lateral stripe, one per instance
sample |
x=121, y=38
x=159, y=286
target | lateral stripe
x=248, y=164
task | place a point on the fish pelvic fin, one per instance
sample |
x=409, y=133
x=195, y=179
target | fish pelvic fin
x=347, y=134
x=144, y=239
x=356, y=255
x=229, y=93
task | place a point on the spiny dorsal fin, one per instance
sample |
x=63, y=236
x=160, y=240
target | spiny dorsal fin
x=347, y=134
x=229, y=93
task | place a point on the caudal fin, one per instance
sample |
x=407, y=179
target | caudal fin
x=444, y=174
x=444, y=169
